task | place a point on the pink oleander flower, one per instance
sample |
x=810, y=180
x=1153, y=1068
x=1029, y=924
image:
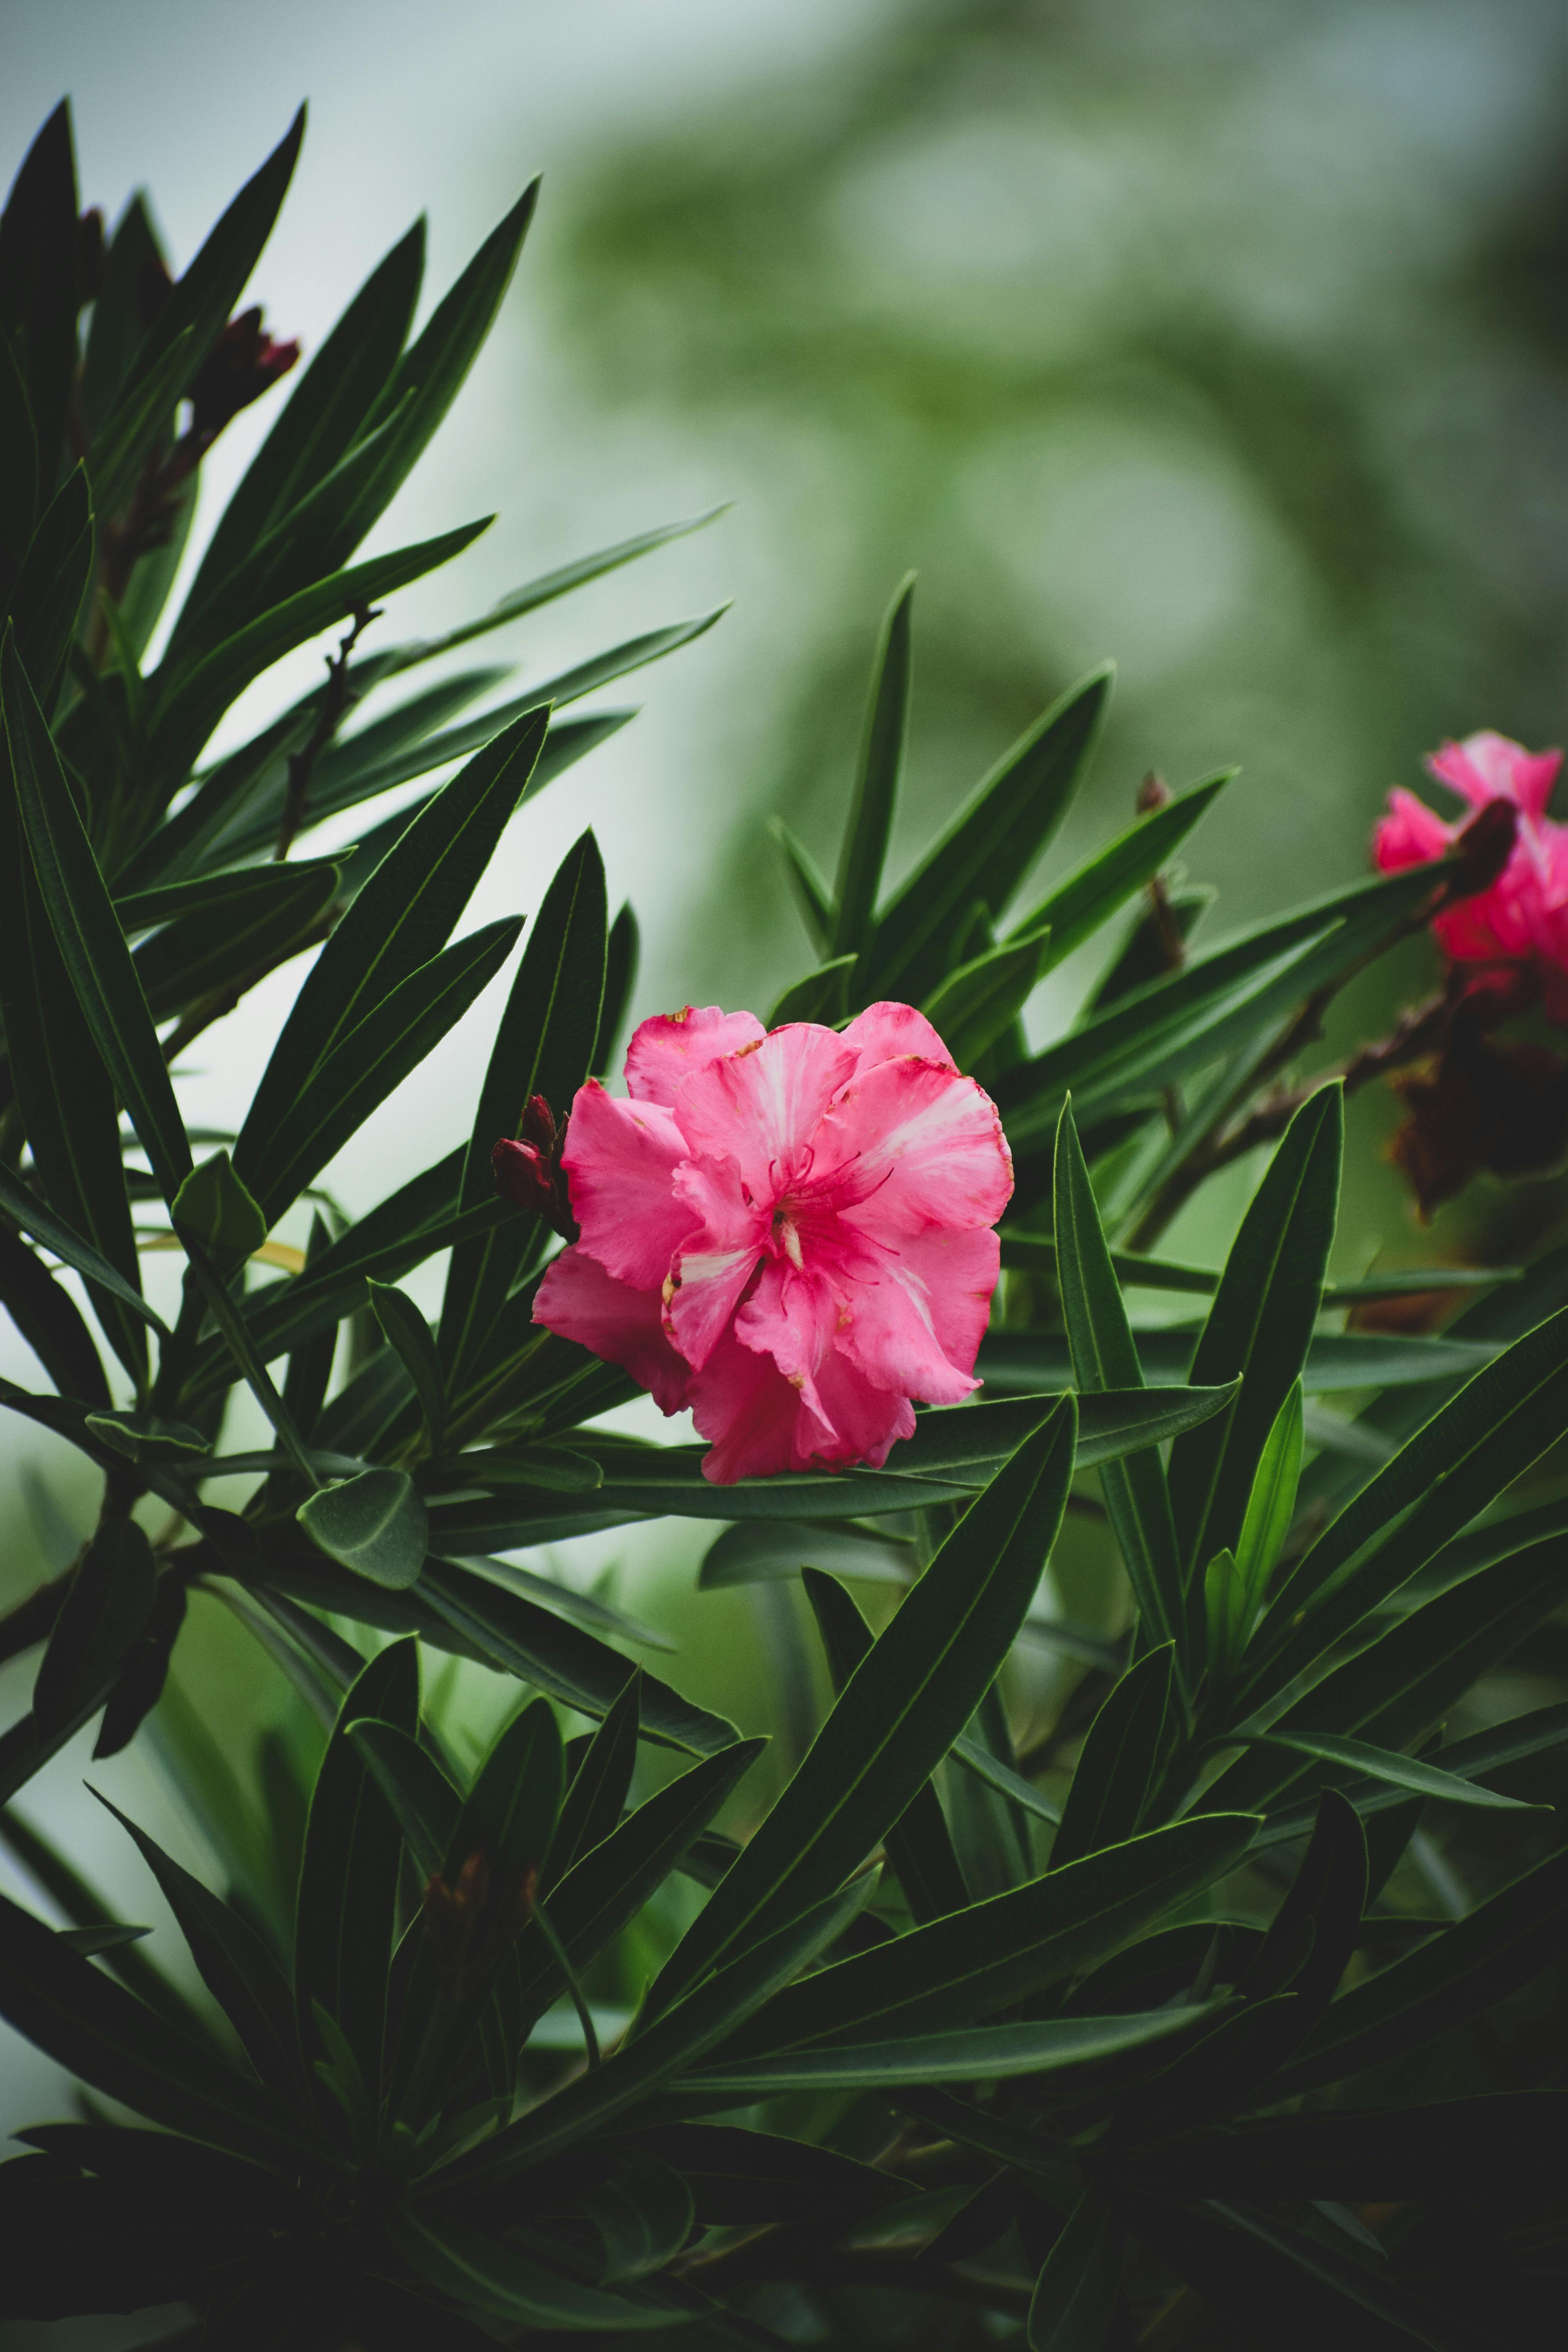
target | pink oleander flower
x=1522, y=921
x=790, y=1232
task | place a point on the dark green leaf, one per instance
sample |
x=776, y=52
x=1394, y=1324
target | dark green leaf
x=1018, y=1362
x=139, y=420
x=374, y=1523
x=1074, y=2300
x=900, y=1711
x=51, y=587
x=39, y=281
x=46, y=1316
x=140, y=1684
x=1270, y=1510
x=1498, y=2142
x=19, y=474
x=405, y=1330
x=418, y=1791
x=870, y=818
x=1077, y=907
x=100, y=2034
x=88, y=933
x=919, y=1844
x=1400, y=1771
x=987, y=851
x=599, y=1786
x=811, y=893
x=326, y=409
x=487, y=2274
x=234, y=1965
x=348, y=1879
x=823, y=995
x=213, y=1206
x=959, y=2055
x=1116, y=1770
x=1105, y=1357
x=509, y=1814
x=998, y=1952
x=1259, y=1326
x=104, y=1614
x=226, y=948
x=544, y=1044
x=978, y=1003
x=148, y=1437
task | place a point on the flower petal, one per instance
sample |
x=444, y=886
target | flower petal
x=1489, y=767
x=1410, y=834
x=578, y=1300
x=621, y=1158
x=917, y=1329
x=665, y=1051
x=760, y=1107
x=913, y=1145
x=755, y=1420
x=885, y=1031
x=792, y=1317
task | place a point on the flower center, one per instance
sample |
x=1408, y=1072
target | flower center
x=785, y=1236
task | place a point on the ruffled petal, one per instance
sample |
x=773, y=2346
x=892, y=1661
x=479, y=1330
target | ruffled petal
x=885, y=1031
x=1411, y=835
x=792, y=1316
x=917, y=1329
x=702, y=1294
x=578, y=1300
x=621, y=1159
x=866, y=1420
x=753, y=1419
x=760, y=1107
x=909, y=1145
x=1489, y=767
x=665, y=1051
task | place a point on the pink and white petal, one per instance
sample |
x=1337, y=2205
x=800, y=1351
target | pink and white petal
x=866, y=1420
x=723, y=1213
x=620, y=1158
x=704, y=1290
x=665, y=1051
x=792, y=1316
x=756, y=1423
x=1487, y=766
x=909, y=1145
x=919, y=1328
x=578, y=1300
x=760, y=1106
x=884, y=1031
x=1411, y=835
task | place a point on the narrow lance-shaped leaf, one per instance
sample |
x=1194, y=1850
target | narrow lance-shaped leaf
x=900, y=1711
x=1077, y=907
x=405, y=1330
x=87, y=932
x=1104, y=1356
x=871, y=816
x=1259, y=1326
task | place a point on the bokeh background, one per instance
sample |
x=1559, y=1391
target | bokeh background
x=1227, y=337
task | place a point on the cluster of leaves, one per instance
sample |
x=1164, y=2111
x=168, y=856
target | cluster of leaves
x=939, y=2054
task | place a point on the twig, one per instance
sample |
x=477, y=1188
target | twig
x=336, y=705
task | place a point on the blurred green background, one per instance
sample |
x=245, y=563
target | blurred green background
x=1225, y=337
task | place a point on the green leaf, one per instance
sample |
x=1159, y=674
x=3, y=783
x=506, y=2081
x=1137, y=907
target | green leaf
x=822, y=995
x=544, y=1045
x=599, y=1786
x=138, y=421
x=959, y=2055
x=46, y=1316
x=1116, y=1769
x=103, y=1615
x=563, y=1659
x=38, y=280
x=1260, y=1326
x=988, y=849
x=234, y=1965
x=510, y=1813
x=326, y=408
x=995, y=1953
x=374, y=1523
x=1077, y=907
x=900, y=1711
x=1402, y=1771
x=19, y=474
x=87, y=932
x=213, y=1206
x=229, y=946
x=370, y=1064
x=428, y=377
x=642, y=2211
x=1500, y=2141
x=48, y=592
x=811, y=893
x=348, y=1878
x=100, y=2034
x=1027, y=1361
x=148, y=1437
x=919, y=1844
x=1074, y=2300
x=418, y=1791
x=1470, y=1452
x=979, y=1002
x=870, y=819
x=1104, y=1357
x=1007, y=1783
x=399, y=922
x=202, y=299
x=189, y=698
x=488, y=2275
x=405, y=1330
x=1270, y=1508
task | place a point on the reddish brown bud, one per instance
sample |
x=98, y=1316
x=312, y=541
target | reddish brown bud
x=529, y=1170
x=241, y=365
x=1485, y=846
x=1153, y=794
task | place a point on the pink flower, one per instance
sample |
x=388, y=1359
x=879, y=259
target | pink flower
x=790, y=1231
x=1522, y=919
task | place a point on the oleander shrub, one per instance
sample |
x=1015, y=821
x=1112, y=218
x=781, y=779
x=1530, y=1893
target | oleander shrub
x=1217, y=2008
